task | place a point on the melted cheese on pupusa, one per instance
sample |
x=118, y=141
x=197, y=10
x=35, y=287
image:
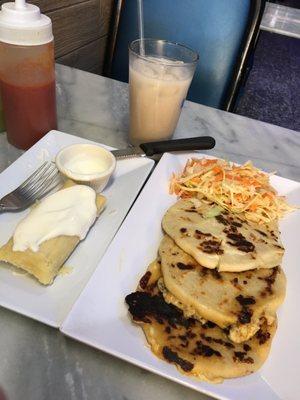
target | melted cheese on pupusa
x=69, y=212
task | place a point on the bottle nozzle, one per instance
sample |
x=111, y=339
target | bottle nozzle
x=22, y=23
x=20, y=4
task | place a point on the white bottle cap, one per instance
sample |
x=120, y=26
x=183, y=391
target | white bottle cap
x=23, y=24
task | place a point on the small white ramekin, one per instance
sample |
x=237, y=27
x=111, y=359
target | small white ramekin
x=97, y=181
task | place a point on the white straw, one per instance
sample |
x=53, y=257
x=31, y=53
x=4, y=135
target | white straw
x=141, y=25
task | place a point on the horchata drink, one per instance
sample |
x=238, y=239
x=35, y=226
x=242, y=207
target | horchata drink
x=160, y=75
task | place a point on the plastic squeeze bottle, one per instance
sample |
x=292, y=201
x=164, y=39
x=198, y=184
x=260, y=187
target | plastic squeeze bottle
x=27, y=74
x=2, y=128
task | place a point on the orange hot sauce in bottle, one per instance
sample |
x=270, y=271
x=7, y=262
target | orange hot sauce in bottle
x=27, y=74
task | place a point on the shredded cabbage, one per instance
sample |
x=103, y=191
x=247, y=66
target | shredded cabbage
x=237, y=188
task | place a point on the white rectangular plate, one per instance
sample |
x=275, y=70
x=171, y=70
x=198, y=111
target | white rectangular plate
x=50, y=304
x=100, y=318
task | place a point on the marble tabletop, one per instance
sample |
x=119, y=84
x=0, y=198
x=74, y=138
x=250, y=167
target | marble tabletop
x=281, y=19
x=39, y=363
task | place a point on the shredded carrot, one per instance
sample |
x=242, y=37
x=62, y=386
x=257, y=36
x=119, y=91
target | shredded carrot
x=237, y=188
x=217, y=170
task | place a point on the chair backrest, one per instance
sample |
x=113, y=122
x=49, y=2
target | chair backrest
x=216, y=29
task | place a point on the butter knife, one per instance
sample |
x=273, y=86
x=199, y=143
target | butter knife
x=152, y=148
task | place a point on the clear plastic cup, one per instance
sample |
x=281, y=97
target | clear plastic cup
x=160, y=74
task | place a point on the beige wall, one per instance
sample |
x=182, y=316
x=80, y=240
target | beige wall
x=80, y=30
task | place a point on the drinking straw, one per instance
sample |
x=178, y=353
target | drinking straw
x=141, y=26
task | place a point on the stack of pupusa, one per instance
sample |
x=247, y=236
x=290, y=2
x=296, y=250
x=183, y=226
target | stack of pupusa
x=236, y=281
x=209, y=304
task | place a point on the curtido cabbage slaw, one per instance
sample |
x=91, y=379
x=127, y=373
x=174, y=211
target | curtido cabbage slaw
x=236, y=188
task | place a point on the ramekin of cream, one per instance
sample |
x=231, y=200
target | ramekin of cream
x=87, y=164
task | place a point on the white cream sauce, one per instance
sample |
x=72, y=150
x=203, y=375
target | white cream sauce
x=86, y=164
x=69, y=212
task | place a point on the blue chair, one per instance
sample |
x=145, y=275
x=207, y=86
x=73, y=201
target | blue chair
x=223, y=32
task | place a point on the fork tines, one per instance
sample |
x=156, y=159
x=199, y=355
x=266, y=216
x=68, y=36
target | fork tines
x=44, y=179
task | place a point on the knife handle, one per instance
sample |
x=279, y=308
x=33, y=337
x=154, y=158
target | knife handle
x=197, y=143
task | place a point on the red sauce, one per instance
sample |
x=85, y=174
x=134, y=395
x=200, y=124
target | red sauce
x=29, y=111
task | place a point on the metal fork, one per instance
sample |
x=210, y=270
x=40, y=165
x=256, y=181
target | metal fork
x=41, y=182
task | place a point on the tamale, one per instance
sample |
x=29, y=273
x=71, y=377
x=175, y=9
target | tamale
x=47, y=261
